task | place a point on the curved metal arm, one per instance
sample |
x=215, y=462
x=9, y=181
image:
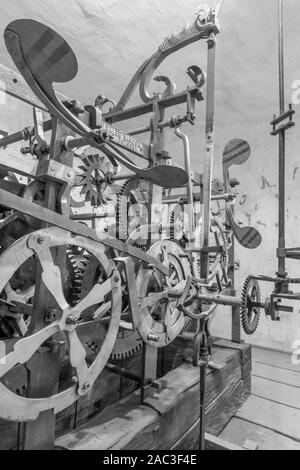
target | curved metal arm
x=204, y=25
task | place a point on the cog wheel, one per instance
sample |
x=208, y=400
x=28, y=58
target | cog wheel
x=161, y=319
x=20, y=292
x=128, y=342
x=93, y=179
x=177, y=226
x=250, y=313
x=132, y=210
x=72, y=323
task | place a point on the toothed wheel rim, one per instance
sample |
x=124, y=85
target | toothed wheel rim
x=250, y=314
x=221, y=260
x=128, y=343
x=93, y=179
x=136, y=191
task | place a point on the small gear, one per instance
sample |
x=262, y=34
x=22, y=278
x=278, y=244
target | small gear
x=177, y=226
x=128, y=342
x=132, y=209
x=162, y=320
x=250, y=313
x=93, y=179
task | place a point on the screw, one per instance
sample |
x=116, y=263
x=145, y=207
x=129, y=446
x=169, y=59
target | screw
x=72, y=321
x=41, y=241
x=86, y=387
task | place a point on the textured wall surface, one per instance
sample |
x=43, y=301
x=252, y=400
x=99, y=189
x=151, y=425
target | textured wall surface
x=111, y=38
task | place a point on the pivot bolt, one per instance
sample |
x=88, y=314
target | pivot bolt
x=86, y=387
x=153, y=338
x=72, y=321
x=41, y=240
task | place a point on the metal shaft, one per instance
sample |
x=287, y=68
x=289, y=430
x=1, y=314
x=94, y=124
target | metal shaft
x=188, y=169
x=209, y=151
x=281, y=235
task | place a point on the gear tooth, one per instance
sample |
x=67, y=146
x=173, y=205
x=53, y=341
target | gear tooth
x=249, y=327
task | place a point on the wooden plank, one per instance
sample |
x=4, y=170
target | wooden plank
x=190, y=441
x=277, y=392
x=216, y=443
x=108, y=389
x=224, y=408
x=245, y=352
x=238, y=431
x=275, y=359
x=9, y=435
x=185, y=377
x=274, y=416
x=175, y=405
x=275, y=374
x=125, y=425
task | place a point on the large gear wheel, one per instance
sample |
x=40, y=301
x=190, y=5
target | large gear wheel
x=250, y=312
x=132, y=210
x=73, y=323
x=128, y=342
x=161, y=319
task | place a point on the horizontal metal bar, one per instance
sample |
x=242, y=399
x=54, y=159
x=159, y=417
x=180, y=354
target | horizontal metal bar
x=283, y=128
x=286, y=115
x=221, y=300
x=123, y=373
x=148, y=107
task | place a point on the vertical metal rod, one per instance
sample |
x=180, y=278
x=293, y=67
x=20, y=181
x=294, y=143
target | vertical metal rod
x=190, y=194
x=209, y=151
x=281, y=235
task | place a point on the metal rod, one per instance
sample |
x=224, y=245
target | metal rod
x=141, y=130
x=161, y=125
x=282, y=169
x=123, y=372
x=188, y=169
x=221, y=300
x=209, y=151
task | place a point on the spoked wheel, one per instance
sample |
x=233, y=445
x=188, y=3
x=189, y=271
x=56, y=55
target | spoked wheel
x=161, y=319
x=67, y=322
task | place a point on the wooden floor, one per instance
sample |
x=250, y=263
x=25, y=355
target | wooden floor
x=271, y=416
